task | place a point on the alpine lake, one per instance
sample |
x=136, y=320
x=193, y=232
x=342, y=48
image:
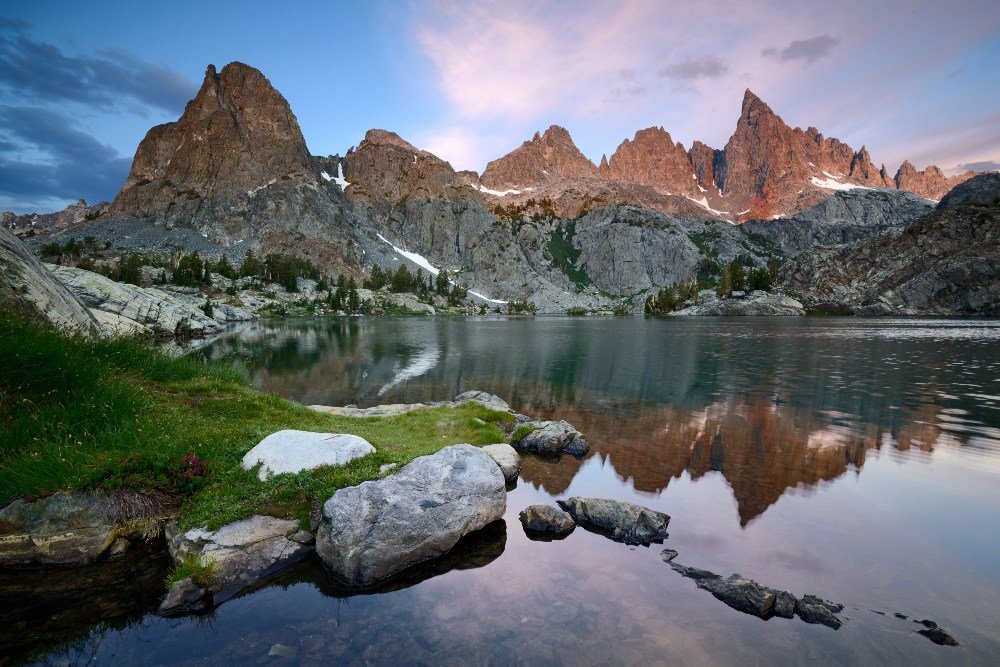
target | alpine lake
x=856, y=459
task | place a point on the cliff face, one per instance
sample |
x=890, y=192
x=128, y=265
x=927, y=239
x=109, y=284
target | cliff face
x=945, y=262
x=237, y=134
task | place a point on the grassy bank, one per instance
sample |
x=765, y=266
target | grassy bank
x=120, y=415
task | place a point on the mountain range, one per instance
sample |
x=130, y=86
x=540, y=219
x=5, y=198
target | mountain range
x=543, y=222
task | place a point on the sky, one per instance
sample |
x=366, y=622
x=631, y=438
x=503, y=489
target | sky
x=81, y=83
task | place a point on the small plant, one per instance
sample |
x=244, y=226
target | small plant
x=577, y=311
x=208, y=308
x=522, y=432
x=623, y=310
x=192, y=567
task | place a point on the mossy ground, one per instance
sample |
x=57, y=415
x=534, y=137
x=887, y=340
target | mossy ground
x=120, y=415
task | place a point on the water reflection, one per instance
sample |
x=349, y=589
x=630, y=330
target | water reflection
x=850, y=458
x=771, y=406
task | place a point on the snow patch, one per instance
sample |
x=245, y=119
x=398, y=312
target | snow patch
x=703, y=202
x=339, y=179
x=831, y=183
x=497, y=193
x=422, y=262
x=743, y=212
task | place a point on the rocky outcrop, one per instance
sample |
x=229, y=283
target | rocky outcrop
x=547, y=519
x=385, y=169
x=235, y=170
x=753, y=304
x=291, y=451
x=551, y=437
x=625, y=522
x=50, y=223
x=947, y=262
x=929, y=183
x=237, y=134
x=66, y=528
x=128, y=309
x=27, y=287
x=982, y=189
x=238, y=555
x=545, y=158
x=846, y=217
x=379, y=528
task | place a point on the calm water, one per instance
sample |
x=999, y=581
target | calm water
x=856, y=459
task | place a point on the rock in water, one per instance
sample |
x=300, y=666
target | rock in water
x=737, y=591
x=547, y=519
x=294, y=451
x=748, y=596
x=374, y=530
x=552, y=437
x=186, y=596
x=814, y=609
x=507, y=458
x=62, y=529
x=628, y=523
x=936, y=634
x=26, y=286
x=240, y=553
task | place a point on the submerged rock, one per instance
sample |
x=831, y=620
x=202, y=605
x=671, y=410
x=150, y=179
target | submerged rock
x=186, y=596
x=240, y=554
x=507, y=458
x=66, y=528
x=374, y=530
x=547, y=519
x=291, y=451
x=737, y=591
x=813, y=609
x=626, y=522
x=936, y=634
x=750, y=597
x=552, y=437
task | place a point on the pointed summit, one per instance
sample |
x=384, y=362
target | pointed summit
x=546, y=157
x=652, y=158
x=237, y=134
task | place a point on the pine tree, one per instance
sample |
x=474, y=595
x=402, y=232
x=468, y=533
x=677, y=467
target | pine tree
x=722, y=289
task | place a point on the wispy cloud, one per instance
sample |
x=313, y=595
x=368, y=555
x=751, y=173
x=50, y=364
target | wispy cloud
x=45, y=156
x=39, y=71
x=685, y=73
x=810, y=50
x=986, y=165
x=509, y=68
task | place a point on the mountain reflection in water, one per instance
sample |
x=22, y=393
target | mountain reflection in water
x=773, y=405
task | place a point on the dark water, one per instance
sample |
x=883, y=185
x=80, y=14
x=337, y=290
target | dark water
x=856, y=459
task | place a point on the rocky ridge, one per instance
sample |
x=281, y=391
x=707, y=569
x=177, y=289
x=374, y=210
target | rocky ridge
x=945, y=262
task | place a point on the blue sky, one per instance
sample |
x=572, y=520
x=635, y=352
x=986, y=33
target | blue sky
x=81, y=83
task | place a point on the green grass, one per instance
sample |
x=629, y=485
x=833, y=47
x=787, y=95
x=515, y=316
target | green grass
x=202, y=572
x=119, y=415
x=521, y=431
x=565, y=255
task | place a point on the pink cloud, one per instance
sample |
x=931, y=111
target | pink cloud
x=505, y=69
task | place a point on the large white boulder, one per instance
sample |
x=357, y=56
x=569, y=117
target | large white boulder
x=374, y=530
x=294, y=451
